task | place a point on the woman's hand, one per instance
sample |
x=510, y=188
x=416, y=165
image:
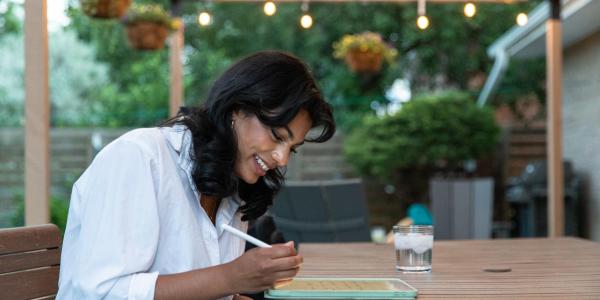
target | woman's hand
x=261, y=268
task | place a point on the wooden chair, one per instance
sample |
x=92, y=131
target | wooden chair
x=29, y=262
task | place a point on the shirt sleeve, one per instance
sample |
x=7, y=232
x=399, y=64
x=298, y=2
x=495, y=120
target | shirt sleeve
x=119, y=225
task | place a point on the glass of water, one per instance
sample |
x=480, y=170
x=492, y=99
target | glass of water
x=413, y=248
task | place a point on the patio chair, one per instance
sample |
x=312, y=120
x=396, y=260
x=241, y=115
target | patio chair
x=29, y=262
x=322, y=211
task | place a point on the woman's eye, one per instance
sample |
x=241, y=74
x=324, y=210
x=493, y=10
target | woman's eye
x=275, y=135
x=294, y=150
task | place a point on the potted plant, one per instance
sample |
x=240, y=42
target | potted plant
x=105, y=9
x=147, y=26
x=364, y=52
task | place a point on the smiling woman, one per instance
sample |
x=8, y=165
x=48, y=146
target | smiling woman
x=261, y=148
x=142, y=219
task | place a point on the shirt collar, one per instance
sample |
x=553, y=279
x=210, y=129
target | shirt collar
x=180, y=139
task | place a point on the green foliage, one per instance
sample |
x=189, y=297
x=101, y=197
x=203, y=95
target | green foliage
x=433, y=129
x=59, y=209
x=448, y=54
x=75, y=80
x=523, y=77
x=148, y=13
x=9, y=22
x=138, y=92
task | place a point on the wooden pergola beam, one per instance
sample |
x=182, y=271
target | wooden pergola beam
x=383, y=1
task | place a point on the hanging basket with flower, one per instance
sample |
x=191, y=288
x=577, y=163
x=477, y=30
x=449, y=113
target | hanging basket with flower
x=105, y=9
x=364, y=52
x=147, y=26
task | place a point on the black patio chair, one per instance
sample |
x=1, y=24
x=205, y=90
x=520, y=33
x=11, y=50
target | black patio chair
x=322, y=211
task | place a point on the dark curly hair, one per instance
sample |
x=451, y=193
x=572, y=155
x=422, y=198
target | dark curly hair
x=272, y=85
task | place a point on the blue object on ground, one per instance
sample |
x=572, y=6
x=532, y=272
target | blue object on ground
x=419, y=214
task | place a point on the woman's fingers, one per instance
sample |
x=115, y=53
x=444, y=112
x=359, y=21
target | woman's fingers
x=290, y=261
x=283, y=282
x=282, y=277
x=287, y=274
x=262, y=268
x=281, y=250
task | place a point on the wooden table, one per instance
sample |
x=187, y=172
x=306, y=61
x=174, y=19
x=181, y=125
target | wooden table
x=560, y=268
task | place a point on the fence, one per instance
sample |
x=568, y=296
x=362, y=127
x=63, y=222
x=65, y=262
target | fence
x=72, y=150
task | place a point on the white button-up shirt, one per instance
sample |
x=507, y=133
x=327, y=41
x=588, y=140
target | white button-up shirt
x=135, y=213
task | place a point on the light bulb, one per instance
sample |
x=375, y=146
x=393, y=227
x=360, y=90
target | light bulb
x=204, y=18
x=470, y=10
x=423, y=22
x=522, y=19
x=269, y=8
x=306, y=21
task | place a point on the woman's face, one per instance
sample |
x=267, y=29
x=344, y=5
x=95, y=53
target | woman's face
x=262, y=148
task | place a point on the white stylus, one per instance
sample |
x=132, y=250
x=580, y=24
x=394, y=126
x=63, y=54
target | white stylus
x=244, y=236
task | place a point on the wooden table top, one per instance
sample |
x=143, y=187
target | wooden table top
x=558, y=268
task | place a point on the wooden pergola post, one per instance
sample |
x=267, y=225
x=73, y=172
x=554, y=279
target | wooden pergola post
x=176, y=67
x=37, y=114
x=176, y=42
x=556, y=216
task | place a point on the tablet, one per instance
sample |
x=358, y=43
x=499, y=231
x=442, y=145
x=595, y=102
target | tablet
x=343, y=288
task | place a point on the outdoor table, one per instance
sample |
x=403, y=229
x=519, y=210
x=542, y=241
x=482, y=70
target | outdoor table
x=548, y=268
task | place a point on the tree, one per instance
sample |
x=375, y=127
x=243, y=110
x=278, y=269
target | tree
x=75, y=77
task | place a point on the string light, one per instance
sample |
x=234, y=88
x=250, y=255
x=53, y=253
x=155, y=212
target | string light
x=204, y=18
x=470, y=10
x=522, y=19
x=422, y=21
x=306, y=20
x=269, y=8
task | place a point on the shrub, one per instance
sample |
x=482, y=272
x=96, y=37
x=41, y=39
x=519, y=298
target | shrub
x=59, y=209
x=442, y=129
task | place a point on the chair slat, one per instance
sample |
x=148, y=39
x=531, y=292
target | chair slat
x=29, y=284
x=14, y=240
x=29, y=260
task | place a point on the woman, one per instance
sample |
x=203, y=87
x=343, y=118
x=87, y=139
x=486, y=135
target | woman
x=143, y=218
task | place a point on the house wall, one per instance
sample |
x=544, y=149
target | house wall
x=581, y=122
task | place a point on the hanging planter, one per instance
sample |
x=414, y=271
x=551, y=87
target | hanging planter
x=364, y=61
x=147, y=26
x=146, y=35
x=105, y=9
x=364, y=52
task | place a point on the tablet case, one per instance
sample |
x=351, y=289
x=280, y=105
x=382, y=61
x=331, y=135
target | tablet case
x=343, y=288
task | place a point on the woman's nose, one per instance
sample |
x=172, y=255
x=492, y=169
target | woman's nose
x=281, y=155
